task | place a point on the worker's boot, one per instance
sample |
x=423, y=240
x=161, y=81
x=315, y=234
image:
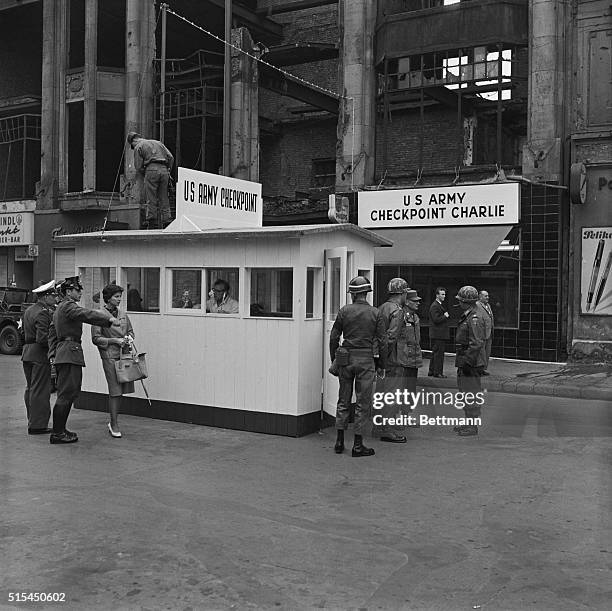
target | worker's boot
x=359, y=449
x=339, y=447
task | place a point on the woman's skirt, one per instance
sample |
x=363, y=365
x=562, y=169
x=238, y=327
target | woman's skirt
x=115, y=388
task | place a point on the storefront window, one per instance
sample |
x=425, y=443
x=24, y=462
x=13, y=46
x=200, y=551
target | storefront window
x=223, y=286
x=272, y=292
x=500, y=279
x=94, y=279
x=186, y=289
x=142, y=287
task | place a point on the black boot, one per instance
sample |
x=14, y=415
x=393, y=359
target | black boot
x=359, y=449
x=339, y=447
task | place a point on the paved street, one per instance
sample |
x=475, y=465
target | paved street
x=175, y=516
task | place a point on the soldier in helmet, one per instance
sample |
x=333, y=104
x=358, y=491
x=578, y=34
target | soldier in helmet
x=392, y=315
x=66, y=353
x=36, y=367
x=470, y=339
x=363, y=333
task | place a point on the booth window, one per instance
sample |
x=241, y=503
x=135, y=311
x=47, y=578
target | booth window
x=314, y=293
x=223, y=286
x=186, y=289
x=94, y=279
x=272, y=292
x=142, y=288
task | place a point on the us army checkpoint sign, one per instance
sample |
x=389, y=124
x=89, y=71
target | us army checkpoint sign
x=488, y=204
x=209, y=201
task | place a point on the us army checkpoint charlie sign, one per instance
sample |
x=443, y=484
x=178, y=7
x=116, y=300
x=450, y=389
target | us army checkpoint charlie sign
x=487, y=204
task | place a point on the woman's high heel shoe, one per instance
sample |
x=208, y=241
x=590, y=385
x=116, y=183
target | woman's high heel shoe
x=113, y=433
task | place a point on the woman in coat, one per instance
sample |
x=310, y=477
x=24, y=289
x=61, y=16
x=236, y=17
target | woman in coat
x=111, y=341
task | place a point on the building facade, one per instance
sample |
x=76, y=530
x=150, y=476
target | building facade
x=370, y=95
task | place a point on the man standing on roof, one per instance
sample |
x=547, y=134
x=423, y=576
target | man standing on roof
x=154, y=161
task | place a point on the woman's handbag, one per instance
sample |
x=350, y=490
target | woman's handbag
x=131, y=367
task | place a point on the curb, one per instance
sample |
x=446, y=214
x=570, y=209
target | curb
x=514, y=386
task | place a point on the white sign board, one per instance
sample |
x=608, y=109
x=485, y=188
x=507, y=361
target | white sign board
x=490, y=204
x=16, y=228
x=596, y=280
x=210, y=201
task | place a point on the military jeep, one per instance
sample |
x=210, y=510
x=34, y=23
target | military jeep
x=13, y=303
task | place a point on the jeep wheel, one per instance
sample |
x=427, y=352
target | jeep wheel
x=10, y=340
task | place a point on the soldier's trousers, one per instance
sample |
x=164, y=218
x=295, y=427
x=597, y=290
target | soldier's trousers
x=402, y=378
x=360, y=373
x=37, y=394
x=69, y=378
x=468, y=380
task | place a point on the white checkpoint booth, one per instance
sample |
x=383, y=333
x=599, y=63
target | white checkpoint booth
x=262, y=368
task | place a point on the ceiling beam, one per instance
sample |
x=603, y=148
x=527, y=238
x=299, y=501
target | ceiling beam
x=286, y=85
x=252, y=20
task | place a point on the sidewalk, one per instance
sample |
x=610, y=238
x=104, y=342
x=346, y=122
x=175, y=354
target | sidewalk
x=574, y=381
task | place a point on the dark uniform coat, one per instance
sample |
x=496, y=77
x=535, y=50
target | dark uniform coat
x=65, y=338
x=36, y=321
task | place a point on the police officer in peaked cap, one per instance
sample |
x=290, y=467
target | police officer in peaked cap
x=36, y=367
x=470, y=358
x=363, y=349
x=66, y=352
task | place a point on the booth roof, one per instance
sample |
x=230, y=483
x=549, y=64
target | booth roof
x=289, y=231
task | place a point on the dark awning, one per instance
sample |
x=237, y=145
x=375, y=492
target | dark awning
x=441, y=246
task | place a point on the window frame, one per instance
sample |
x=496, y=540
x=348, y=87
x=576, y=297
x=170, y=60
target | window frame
x=161, y=289
x=168, y=293
x=249, y=276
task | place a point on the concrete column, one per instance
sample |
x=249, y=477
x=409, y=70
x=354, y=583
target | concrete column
x=140, y=52
x=244, y=144
x=53, y=127
x=89, y=95
x=356, y=123
x=542, y=156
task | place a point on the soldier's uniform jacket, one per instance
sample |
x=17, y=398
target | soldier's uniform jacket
x=361, y=328
x=36, y=321
x=67, y=329
x=403, y=336
x=470, y=338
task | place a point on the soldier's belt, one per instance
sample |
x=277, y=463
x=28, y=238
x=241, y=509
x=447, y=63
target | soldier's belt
x=70, y=339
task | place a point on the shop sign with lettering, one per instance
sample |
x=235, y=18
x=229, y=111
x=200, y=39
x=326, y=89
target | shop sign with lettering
x=490, y=204
x=207, y=201
x=16, y=228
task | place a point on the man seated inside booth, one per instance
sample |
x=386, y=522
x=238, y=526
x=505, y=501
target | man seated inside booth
x=220, y=301
x=185, y=301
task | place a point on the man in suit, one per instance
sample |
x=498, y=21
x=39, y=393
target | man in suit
x=36, y=367
x=66, y=352
x=485, y=308
x=438, y=333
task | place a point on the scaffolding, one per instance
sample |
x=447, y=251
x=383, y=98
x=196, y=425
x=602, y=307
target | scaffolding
x=19, y=156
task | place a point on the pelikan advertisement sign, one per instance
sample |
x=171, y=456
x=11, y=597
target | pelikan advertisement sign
x=596, y=280
x=487, y=204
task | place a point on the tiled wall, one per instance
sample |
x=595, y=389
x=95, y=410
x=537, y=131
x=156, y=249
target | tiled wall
x=539, y=333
